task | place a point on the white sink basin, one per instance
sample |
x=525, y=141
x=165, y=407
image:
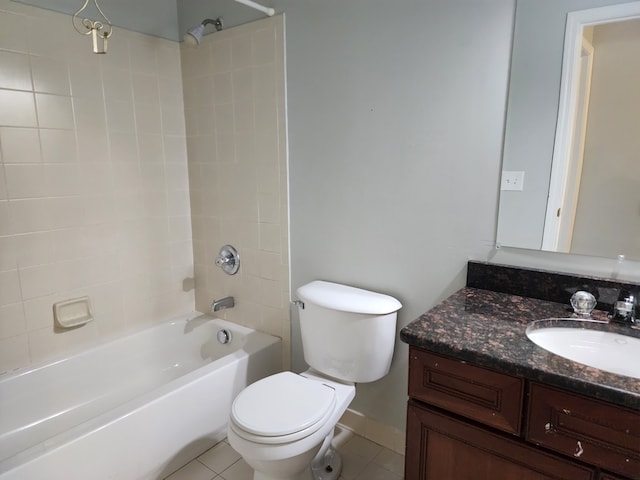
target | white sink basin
x=589, y=343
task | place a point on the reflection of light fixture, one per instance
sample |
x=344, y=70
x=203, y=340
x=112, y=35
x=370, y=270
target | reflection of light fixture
x=93, y=27
x=194, y=34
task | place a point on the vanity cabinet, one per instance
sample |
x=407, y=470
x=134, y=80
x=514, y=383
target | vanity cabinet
x=466, y=422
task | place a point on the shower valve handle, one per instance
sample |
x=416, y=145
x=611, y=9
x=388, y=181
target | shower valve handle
x=228, y=260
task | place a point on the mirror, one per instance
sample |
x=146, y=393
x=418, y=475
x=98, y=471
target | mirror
x=572, y=128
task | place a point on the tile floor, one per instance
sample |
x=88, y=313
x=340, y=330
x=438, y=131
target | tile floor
x=362, y=460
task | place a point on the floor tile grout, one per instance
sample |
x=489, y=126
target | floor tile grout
x=359, y=454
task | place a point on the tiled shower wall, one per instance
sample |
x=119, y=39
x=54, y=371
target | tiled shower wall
x=234, y=93
x=93, y=183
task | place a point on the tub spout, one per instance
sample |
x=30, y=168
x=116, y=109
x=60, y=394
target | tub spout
x=226, y=302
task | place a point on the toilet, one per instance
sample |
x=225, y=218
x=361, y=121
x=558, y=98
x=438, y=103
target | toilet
x=283, y=425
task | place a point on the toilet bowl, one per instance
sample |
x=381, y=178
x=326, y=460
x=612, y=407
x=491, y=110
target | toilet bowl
x=283, y=425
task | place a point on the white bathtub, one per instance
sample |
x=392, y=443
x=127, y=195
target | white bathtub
x=135, y=408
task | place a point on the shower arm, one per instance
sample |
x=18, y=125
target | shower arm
x=250, y=3
x=216, y=23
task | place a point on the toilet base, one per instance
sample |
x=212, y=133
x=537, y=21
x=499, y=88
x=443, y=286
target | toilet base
x=328, y=467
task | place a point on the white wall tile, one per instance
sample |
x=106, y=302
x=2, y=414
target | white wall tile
x=169, y=89
x=93, y=146
x=85, y=78
x=122, y=146
x=173, y=121
x=12, y=320
x=50, y=75
x=33, y=249
x=58, y=146
x=39, y=24
x=222, y=88
x=234, y=189
x=10, y=287
x=14, y=352
x=65, y=212
x=18, y=109
x=38, y=311
x=54, y=111
x=143, y=54
x=13, y=34
x=8, y=253
x=241, y=51
x=25, y=180
x=89, y=210
x=38, y=281
x=15, y=72
x=20, y=145
x=150, y=146
x=118, y=85
x=145, y=88
x=242, y=84
x=89, y=113
x=221, y=55
x=6, y=220
x=29, y=215
x=148, y=118
x=3, y=183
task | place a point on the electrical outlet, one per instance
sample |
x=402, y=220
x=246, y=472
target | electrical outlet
x=512, y=180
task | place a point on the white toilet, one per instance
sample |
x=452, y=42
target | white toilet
x=283, y=425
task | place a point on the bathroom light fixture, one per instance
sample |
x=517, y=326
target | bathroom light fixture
x=95, y=28
x=194, y=34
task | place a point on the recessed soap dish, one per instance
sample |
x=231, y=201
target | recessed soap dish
x=72, y=313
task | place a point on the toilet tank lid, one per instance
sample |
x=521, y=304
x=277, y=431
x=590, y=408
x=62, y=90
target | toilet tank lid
x=347, y=299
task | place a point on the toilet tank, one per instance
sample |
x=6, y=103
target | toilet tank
x=347, y=333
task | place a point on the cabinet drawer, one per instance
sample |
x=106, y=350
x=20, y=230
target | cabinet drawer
x=589, y=430
x=440, y=447
x=489, y=397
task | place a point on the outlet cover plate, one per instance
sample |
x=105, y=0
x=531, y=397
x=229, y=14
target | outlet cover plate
x=512, y=180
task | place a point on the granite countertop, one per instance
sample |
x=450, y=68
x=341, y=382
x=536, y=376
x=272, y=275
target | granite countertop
x=488, y=329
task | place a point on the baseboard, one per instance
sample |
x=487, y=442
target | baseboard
x=385, y=435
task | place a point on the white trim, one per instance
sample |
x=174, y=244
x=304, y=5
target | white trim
x=569, y=86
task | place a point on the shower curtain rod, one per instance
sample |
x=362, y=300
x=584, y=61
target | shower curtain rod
x=250, y=3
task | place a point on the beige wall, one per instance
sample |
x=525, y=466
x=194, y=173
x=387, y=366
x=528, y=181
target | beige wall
x=93, y=183
x=608, y=214
x=234, y=95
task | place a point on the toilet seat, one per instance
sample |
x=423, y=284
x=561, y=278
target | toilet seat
x=282, y=408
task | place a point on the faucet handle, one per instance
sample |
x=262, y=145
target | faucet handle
x=583, y=302
x=228, y=260
x=624, y=308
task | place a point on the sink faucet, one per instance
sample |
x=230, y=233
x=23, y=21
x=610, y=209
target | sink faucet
x=226, y=302
x=624, y=310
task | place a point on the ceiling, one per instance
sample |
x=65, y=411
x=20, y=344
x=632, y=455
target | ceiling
x=153, y=17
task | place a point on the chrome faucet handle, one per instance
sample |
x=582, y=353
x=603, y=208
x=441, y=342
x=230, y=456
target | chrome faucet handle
x=228, y=260
x=583, y=302
x=624, y=308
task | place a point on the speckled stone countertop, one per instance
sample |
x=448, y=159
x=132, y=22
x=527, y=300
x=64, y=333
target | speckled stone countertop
x=488, y=328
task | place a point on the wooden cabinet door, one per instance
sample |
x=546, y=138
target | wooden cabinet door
x=440, y=447
x=593, y=431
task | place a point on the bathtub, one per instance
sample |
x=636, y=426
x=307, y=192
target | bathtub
x=138, y=407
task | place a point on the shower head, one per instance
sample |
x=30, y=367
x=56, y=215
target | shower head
x=194, y=34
